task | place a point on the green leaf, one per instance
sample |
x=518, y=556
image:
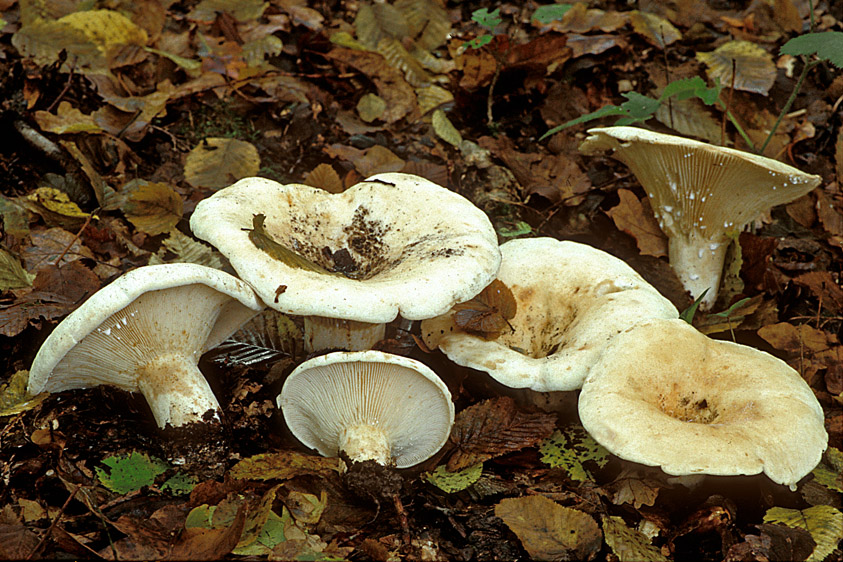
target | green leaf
x=550, y=12
x=180, y=484
x=629, y=545
x=728, y=312
x=605, y=111
x=487, y=19
x=518, y=229
x=477, y=42
x=685, y=88
x=830, y=471
x=12, y=273
x=569, y=448
x=638, y=106
x=451, y=482
x=827, y=45
x=130, y=473
x=688, y=314
x=824, y=522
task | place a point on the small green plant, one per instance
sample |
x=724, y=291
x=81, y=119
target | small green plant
x=488, y=21
x=127, y=473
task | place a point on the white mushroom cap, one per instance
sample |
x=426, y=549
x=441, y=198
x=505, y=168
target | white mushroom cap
x=145, y=332
x=665, y=395
x=417, y=247
x=700, y=193
x=370, y=404
x=572, y=299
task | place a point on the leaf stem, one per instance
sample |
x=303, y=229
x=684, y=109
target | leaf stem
x=808, y=66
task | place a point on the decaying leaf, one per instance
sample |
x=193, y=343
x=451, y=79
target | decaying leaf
x=242, y=10
x=12, y=274
x=186, y=250
x=824, y=522
x=325, y=177
x=66, y=120
x=754, y=71
x=569, y=448
x=153, y=208
x=50, y=245
x=632, y=216
x=655, y=29
x=55, y=207
x=219, y=162
x=444, y=129
x=283, y=465
x=455, y=481
x=493, y=428
x=487, y=314
x=370, y=107
x=632, y=488
x=629, y=545
x=829, y=473
x=549, y=531
x=14, y=398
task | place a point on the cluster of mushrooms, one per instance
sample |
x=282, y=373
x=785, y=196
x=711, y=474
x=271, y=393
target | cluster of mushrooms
x=653, y=390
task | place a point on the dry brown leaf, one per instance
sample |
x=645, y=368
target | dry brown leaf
x=582, y=20
x=823, y=286
x=324, y=177
x=487, y=314
x=786, y=14
x=838, y=156
x=283, y=465
x=493, y=428
x=153, y=208
x=655, y=29
x=593, y=44
x=636, y=219
x=218, y=162
x=755, y=70
x=635, y=491
x=48, y=245
x=829, y=214
x=374, y=160
x=17, y=542
x=549, y=531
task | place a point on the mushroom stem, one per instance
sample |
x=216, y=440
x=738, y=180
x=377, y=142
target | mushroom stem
x=176, y=390
x=698, y=262
x=321, y=333
x=365, y=442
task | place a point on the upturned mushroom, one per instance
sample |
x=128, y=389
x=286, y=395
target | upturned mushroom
x=370, y=405
x=145, y=332
x=665, y=395
x=351, y=262
x=701, y=194
x=571, y=300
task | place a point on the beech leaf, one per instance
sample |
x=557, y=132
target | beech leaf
x=283, y=465
x=153, y=208
x=455, y=481
x=569, y=448
x=824, y=522
x=755, y=70
x=219, y=162
x=629, y=545
x=12, y=274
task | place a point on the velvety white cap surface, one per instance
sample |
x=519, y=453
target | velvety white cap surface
x=665, y=395
x=150, y=311
x=411, y=247
x=572, y=299
x=326, y=395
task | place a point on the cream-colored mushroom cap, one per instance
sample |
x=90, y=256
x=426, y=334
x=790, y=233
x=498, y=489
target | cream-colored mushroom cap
x=144, y=332
x=404, y=244
x=572, y=299
x=700, y=193
x=665, y=395
x=370, y=404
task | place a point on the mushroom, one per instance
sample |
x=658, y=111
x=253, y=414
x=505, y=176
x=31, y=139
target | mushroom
x=145, y=332
x=350, y=262
x=665, y=395
x=370, y=405
x=701, y=194
x=571, y=300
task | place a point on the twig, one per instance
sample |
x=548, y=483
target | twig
x=402, y=518
x=78, y=234
x=64, y=90
x=53, y=524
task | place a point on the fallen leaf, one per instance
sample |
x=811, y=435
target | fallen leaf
x=370, y=107
x=66, y=120
x=630, y=215
x=153, y=208
x=219, y=162
x=655, y=29
x=754, y=71
x=632, y=489
x=186, y=250
x=824, y=522
x=324, y=177
x=549, y=531
x=283, y=465
x=629, y=545
x=14, y=398
x=829, y=473
x=454, y=481
x=493, y=428
x=17, y=542
x=829, y=214
x=487, y=314
x=823, y=286
x=444, y=129
x=580, y=19
x=570, y=448
x=12, y=274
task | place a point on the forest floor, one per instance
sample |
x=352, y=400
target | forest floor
x=117, y=118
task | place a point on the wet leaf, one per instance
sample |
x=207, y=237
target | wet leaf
x=755, y=70
x=655, y=29
x=493, y=428
x=153, y=208
x=12, y=274
x=549, y=531
x=454, y=481
x=631, y=216
x=444, y=129
x=487, y=314
x=629, y=545
x=129, y=473
x=55, y=207
x=283, y=465
x=829, y=473
x=186, y=250
x=279, y=252
x=14, y=398
x=218, y=162
x=824, y=522
x=570, y=448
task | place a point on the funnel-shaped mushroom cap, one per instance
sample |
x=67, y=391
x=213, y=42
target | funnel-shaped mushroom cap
x=145, y=332
x=571, y=299
x=666, y=395
x=395, y=243
x=372, y=405
x=700, y=193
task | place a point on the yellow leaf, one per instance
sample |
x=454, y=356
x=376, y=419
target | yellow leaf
x=217, y=162
x=186, y=250
x=629, y=545
x=370, y=107
x=12, y=274
x=830, y=472
x=824, y=522
x=14, y=398
x=67, y=119
x=755, y=70
x=432, y=96
x=444, y=129
x=549, y=531
x=154, y=208
x=282, y=466
x=56, y=207
x=105, y=28
x=654, y=29
x=452, y=482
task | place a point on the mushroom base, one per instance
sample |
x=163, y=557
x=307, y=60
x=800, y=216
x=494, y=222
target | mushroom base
x=698, y=262
x=365, y=442
x=176, y=391
x=321, y=333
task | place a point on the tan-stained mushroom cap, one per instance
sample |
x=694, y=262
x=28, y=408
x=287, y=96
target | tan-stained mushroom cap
x=665, y=395
x=144, y=332
x=370, y=404
x=407, y=246
x=700, y=193
x=572, y=299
